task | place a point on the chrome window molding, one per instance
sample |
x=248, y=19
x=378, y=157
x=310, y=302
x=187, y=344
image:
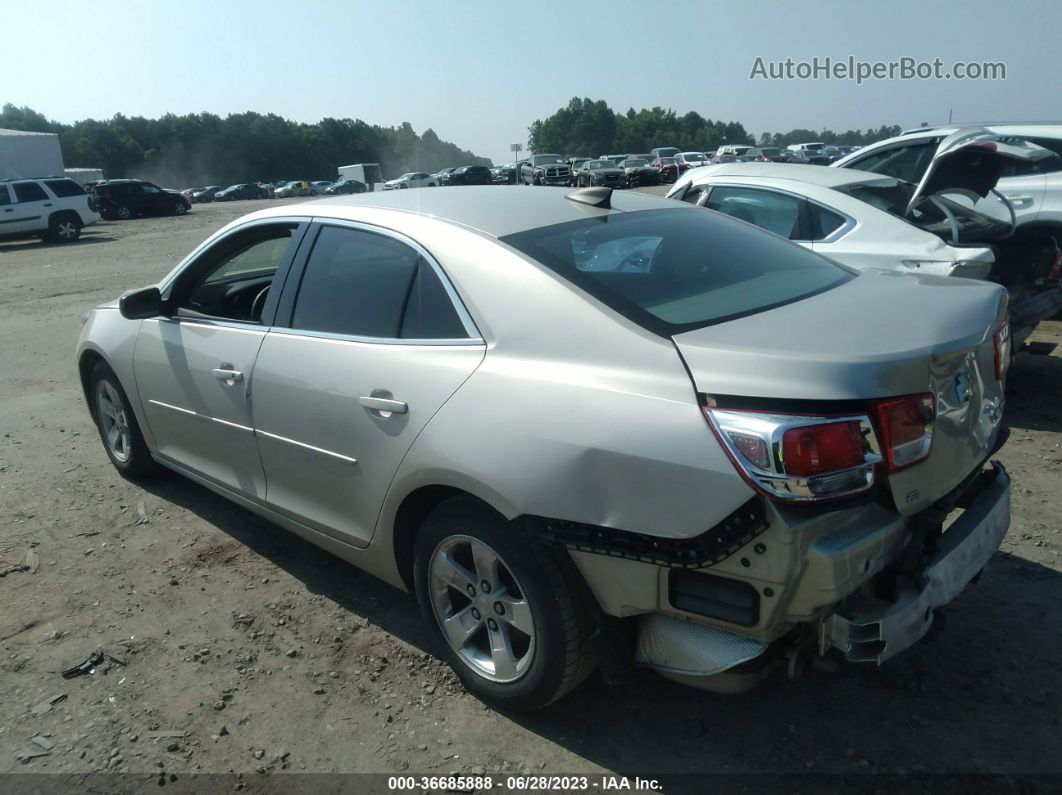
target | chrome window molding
x=328, y=336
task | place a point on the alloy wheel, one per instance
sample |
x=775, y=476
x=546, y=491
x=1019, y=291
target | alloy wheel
x=67, y=230
x=112, y=419
x=481, y=608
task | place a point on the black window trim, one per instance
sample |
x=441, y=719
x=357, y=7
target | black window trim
x=286, y=309
x=193, y=262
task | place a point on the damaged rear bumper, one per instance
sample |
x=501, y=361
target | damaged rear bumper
x=876, y=632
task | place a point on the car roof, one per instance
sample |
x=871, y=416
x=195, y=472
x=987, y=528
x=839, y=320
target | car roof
x=493, y=210
x=824, y=176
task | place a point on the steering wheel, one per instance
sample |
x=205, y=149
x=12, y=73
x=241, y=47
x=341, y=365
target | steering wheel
x=258, y=304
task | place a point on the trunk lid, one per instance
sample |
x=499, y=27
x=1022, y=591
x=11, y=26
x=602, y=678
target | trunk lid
x=969, y=162
x=883, y=334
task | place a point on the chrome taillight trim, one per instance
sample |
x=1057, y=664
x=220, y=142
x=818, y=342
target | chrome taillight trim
x=773, y=480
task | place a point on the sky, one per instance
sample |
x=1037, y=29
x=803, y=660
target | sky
x=479, y=72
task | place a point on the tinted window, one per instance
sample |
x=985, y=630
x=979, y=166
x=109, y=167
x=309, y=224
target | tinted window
x=64, y=187
x=903, y=162
x=777, y=212
x=429, y=313
x=678, y=269
x=1049, y=166
x=5, y=197
x=29, y=192
x=356, y=283
x=823, y=222
x=147, y=187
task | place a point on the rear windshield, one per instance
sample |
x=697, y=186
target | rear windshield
x=678, y=269
x=931, y=214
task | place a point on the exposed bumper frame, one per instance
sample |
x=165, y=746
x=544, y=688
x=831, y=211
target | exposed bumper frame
x=880, y=633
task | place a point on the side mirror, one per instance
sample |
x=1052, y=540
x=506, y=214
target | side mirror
x=143, y=303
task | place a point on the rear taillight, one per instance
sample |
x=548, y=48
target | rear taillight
x=816, y=449
x=1001, y=343
x=799, y=458
x=906, y=427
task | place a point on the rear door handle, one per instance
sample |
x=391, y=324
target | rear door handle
x=383, y=404
x=229, y=376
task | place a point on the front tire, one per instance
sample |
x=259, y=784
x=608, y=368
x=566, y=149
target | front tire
x=509, y=612
x=118, y=427
x=179, y=208
x=123, y=213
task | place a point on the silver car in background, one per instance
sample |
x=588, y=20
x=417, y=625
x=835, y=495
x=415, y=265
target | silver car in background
x=586, y=428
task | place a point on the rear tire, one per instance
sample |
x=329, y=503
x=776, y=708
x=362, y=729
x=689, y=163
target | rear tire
x=64, y=228
x=520, y=621
x=117, y=425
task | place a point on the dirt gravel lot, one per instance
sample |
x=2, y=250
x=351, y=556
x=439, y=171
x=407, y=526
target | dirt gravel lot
x=269, y=656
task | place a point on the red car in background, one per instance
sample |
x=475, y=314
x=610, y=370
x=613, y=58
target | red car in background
x=667, y=167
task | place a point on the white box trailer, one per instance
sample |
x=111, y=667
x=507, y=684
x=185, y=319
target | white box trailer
x=368, y=173
x=83, y=175
x=29, y=154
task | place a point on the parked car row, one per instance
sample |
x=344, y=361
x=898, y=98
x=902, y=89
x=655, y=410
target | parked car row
x=918, y=218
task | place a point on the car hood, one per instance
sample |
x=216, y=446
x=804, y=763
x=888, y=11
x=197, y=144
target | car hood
x=873, y=336
x=969, y=162
x=607, y=171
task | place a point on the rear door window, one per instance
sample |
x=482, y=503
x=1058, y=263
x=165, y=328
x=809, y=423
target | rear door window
x=64, y=187
x=29, y=192
x=908, y=162
x=776, y=212
x=363, y=284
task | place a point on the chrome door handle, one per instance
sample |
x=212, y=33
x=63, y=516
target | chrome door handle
x=231, y=376
x=383, y=404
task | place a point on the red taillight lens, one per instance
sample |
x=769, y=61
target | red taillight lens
x=815, y=449
x=906, y=426
x=1001, y=341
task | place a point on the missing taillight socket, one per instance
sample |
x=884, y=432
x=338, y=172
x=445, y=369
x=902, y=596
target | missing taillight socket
x=906, y=426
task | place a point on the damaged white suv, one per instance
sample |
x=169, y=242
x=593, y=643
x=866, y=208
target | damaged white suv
x=584, y=427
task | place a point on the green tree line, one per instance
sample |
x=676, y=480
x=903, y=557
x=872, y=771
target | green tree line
x=591, y=128
x=202, y=148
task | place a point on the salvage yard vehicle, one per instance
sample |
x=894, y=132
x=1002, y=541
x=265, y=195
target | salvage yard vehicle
x=1033, y=189
x=347, y=186
x=242, y=190
x=412, y=179
x=603, y=173
x=469, y=175
x=53, y=209
x=639, y=172
x=206, y=194
x=867, y=220
x=667, y=167
x=545, y=170
x=122, y=199
x=579, y=425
